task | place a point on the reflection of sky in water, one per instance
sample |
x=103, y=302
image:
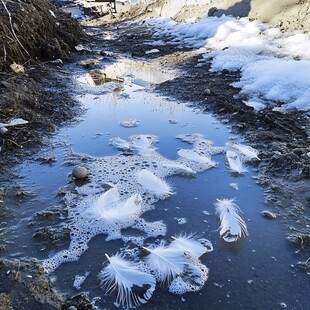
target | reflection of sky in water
x=101, y=123
x=254, y=273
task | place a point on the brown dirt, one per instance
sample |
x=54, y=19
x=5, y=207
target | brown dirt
x=24, y=39
x=24, y=285
x=34, y=95
x=37, y=97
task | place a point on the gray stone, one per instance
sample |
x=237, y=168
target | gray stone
x=79, y=172
x=3, y=130
x=269, y=215
x=207, y=92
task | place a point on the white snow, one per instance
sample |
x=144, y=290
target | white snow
x=278, y=80
x=274, y=65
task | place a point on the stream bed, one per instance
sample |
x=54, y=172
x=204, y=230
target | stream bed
x=255, y=272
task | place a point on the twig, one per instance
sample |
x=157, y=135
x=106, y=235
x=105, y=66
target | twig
x=4, y=52
x=13, y=142
x=12, y=28
x=18, y=263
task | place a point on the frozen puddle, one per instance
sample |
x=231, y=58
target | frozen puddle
x=150, y=187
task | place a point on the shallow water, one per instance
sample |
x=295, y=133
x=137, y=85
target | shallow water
x=256, y=272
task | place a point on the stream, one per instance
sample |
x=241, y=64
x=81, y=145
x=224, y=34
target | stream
x=255, y=272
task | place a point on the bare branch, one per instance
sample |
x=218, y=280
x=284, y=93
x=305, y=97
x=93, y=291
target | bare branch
x=12, y=28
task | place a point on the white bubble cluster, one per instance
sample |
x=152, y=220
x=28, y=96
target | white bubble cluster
x=192, y=279
x=120, y=172
x=79, y=280
x=121, y=188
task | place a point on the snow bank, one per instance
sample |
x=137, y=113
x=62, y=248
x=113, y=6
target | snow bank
x=278, y=80
x=274, y=66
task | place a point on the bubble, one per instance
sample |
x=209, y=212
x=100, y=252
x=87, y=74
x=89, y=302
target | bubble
x=120, y=170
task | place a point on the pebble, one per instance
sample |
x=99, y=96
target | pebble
x=207, y=92
x=269, y=215
x=173, y=121
x=79, y=172
x=3, y=130
x=72, y=308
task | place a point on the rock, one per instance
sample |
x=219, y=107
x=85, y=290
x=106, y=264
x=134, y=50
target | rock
x=118, y=90
x=3, y=130
x=79, y=172
x=103, y=53
x=269, y=215
x=80, y=301
x=90, y=63
x=207, y=92
x=212, y=11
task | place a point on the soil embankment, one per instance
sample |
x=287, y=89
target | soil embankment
x=33, y=33
x=34, y=30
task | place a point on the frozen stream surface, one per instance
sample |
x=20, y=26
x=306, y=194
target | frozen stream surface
x=255, y=272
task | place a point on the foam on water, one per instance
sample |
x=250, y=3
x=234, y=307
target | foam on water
x=93, y=211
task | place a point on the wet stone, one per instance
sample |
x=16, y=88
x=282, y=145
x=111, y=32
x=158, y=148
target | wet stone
x=207, y=92
x=79, y=172
x=269, y=215
x=3, y=130
x=90, y=63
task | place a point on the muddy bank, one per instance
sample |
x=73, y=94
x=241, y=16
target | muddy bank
x=32, y=92
x=31, y=290
x=34, y=30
